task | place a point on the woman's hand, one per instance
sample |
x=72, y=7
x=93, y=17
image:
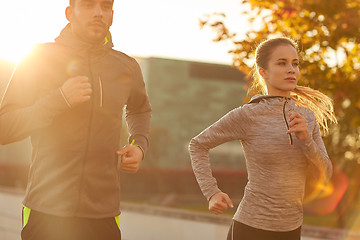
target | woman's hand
x=219, y=202
x=298, y=125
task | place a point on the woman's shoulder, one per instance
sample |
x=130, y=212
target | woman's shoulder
x=240, y=113
x=246, y=108
x=307, y=113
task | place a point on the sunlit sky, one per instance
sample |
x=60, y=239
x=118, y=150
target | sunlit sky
x=143, y=28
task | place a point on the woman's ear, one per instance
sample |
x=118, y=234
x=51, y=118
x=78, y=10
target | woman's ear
x=262, y=73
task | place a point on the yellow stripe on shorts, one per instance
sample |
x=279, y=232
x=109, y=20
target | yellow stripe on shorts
x=26, y=215
x=117, y=221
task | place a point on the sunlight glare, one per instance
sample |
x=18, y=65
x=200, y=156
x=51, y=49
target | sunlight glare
x=27, y=23
x=15, y=54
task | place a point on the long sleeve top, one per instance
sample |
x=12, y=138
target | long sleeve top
x=276, y=169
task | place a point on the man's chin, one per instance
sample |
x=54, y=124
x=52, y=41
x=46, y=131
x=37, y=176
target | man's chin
x=97, y=38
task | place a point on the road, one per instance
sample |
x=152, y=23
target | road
x=137, y=222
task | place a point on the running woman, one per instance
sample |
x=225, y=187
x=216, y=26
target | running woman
x=280, y=134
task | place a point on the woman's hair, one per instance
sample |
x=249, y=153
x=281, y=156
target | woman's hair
x=319, y=103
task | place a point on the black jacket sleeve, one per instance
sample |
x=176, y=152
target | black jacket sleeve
x=138, y=110
x=24, y=108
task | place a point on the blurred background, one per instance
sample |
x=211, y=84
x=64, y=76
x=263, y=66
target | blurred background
x=195, y=57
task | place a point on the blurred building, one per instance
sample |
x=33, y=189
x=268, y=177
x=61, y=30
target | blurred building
x=186, y=98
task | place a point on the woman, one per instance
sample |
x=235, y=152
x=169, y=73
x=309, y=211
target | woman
x=281, y=140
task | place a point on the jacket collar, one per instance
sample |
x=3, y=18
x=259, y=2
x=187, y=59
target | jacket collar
x=272, y=100
x=68, y=39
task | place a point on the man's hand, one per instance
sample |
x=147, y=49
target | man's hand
x=298, y=125
x=219, y=203
x=77, y=90
x=131, y=157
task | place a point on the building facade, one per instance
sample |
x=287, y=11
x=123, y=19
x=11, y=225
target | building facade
x=186, y=98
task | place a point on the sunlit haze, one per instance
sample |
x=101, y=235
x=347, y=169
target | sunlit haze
x=157, y=28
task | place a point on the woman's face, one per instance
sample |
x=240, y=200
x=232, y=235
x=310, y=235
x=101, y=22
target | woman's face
x=282, y=72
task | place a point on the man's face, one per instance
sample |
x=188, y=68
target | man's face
x=90, y=19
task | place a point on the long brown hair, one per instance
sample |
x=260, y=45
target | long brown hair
x=319, y=103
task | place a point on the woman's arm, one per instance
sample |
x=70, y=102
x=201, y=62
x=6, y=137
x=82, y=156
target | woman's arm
x=312, y=145
x=230, y=127
x=314, y=149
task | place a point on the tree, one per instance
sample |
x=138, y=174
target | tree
x=328, y=32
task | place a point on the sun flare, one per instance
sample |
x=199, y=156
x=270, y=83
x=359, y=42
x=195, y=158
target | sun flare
x=15, y=54
x=26, y=23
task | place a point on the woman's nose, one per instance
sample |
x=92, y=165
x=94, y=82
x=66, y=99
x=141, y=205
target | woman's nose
x=291, y=69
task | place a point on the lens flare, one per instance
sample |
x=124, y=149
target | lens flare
x=73, y=68
x=323, y=199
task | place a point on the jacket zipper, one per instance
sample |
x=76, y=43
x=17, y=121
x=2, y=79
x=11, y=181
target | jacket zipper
x=91, y=79
x=286, y=122
x=101, y=92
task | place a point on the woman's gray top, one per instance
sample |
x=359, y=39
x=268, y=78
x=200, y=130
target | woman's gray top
x=276, y=168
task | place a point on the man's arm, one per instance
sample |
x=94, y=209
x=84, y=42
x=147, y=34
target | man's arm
x=138, y=114
x=25, y=108
x=22, y=110
x=138, y=111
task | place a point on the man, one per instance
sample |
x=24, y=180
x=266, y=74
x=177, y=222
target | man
x=69, y=99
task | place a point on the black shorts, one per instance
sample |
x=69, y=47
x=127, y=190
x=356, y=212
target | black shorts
x=239, y=231
x=42, y=226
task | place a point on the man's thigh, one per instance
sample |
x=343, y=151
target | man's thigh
x=42, y=226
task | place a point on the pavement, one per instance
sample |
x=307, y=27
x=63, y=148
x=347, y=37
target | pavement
x=136, y=222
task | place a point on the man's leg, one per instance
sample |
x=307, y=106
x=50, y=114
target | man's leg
x=42, y=226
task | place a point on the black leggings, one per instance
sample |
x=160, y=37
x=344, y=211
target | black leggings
x=239, y=231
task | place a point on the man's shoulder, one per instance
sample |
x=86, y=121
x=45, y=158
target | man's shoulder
x=49, y=48
x=40, y=54
x=120, y=54
x=123, y=58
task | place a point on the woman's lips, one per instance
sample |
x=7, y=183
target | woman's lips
x=290, y=79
